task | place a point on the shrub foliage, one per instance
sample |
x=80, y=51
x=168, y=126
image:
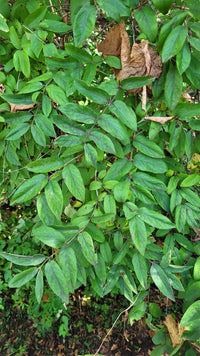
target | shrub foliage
x=111, y=165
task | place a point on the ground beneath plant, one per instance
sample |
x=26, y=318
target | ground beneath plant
x=88, y=327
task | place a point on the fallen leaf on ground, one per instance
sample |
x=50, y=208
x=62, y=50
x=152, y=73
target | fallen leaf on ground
x=159, y=119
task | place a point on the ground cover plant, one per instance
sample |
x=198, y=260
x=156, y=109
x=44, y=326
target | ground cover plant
x=99, y=133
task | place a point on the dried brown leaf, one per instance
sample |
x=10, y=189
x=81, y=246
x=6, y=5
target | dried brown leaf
x=20, y=107
x=175, y=331
x=2, y=89
x=159, y=119
x=111, y=45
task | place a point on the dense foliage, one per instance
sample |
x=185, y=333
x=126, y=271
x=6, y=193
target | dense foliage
x=111, y=165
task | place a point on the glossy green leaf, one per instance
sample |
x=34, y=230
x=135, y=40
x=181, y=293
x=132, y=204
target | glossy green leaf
x=183, y=58
x=161, y=281
x=57, y=280
x=84, y=22
x=173, y=87
x=149, y=164
x=39, y=286
x=114, y=8
x=87, y=247
x=138, y=233
x=95, y=94
x=114, y=127
x=22, y=278
x=23, y=260
x=54, y=198
x=29, y=189
x=191, y=180
x=45, y=165
x=30, y=88
x=79, y=113
x=38, y=135
x=90, y=154
x=74, y=181
x=155, y=219
x=124, y=113
x=57, y=94
x=103, y=142
x=162, y=5
x=113, y=61
x=147, y=22
x=24, y=64
x=192, y=197
x=191, y=314
x=140, y=267
x=54, y=26
x=174, y=42
x=148, y=147
x=17, y=131
x=136, y=82
x=49, y=236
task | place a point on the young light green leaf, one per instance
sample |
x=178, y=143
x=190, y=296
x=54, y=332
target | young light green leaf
x=147, y=22
x=39, y=286
x=83, y=23
x=174, y=42
x=46, y=105
x=3, y=25
x=57, y=280
x=161, y=280
x=14, y=38
x=49, y=236
x=23, y=260
x=124, y=113
x=138, y=233
x=22, y=278
x=29, y=189
x=74, y=181
x=137, y=312
x=191, y=180
x=45, y=165
x=173, y=87
x=54, y=198
x=149, y=164
x=87, y=247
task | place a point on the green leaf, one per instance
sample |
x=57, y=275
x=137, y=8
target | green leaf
x=68, y=263
x=140, y=267
x=114, y=8
x=109, y=205
x=174, y=42
x=87, y=247
x=138, y=233
x=54, y=198
x=83, y=23
x=102, y=141
x=95, y=233
x=180, y=217
x=49, y=236
x=39, y=286
x=119, y=169
x=147, y=22
x=30, y=88
x=137, y=312
x=95, y=94
x=146, y=181
x=14, y=38
x=23, y=260
x=191, y=180
x=3, y=25
x=18, y=99
x=183, y=58
x=183, y=241
x=113, y=61
x=148, y=147
x=24, y=63
x=122, y=253
x=22, y=278
x=191, y=314
x=68, y=126
x=161, y=281
x=55, y=26
x=153, y=165
x=121, y=191
x=190, y=196
x=79, y=113
x=38, y=136
x=17, y=131
x=70, y=141
x=136, y=82
x=46, y=105
x=124, y=113
x=162, y=5
x=74, y=181
x=57, y=280
x=45, y=125
x=29, y=189
x=173, y=87
x=44, y=212
x=114, y=127
x=155, y=219
x=57, y=94
x=90, y=154
x=45, y=165
x=194, y=8
x=78, y=53
x=33, y=20
x=187, y=110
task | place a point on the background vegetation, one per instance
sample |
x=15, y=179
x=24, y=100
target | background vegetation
x=100, y=149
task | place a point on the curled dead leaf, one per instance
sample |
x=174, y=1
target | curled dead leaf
x=174, y=330
x=159, y=119
x=139, y=61
x=20, y=107
x=2, y=89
